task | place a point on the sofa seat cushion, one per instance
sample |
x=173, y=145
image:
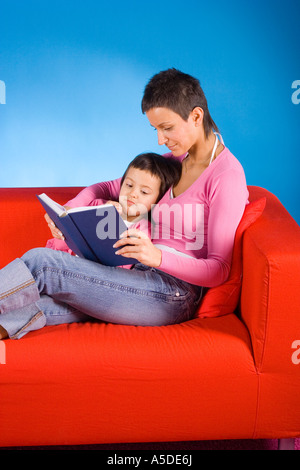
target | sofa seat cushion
x=97, y=383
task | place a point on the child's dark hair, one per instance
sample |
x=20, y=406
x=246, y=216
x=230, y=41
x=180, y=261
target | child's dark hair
x=167, y=169
x=179, y=92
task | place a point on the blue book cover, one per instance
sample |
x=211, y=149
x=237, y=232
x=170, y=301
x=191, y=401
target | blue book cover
x=90, y=232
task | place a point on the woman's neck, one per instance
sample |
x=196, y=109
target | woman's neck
x=201, y=151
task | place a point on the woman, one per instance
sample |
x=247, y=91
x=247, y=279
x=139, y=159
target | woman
x=165, y=286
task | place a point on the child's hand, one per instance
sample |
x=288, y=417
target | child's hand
x=139, y=247
x=56, y=233
x=117, y=205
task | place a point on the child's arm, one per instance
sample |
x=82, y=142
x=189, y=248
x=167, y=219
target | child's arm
x=99, y=193
x=58, y=245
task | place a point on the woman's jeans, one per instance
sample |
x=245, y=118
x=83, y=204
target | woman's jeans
x=47, y=287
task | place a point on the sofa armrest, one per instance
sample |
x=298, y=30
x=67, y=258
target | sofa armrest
x=270, y=297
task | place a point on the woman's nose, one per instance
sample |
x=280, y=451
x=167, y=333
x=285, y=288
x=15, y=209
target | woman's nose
x=161, y=138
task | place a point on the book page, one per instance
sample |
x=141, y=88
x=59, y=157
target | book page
x=86, y=208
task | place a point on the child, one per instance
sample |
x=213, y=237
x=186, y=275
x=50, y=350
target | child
x=145, y=181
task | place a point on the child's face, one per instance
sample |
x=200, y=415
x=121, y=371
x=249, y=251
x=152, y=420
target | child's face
x=138, y=192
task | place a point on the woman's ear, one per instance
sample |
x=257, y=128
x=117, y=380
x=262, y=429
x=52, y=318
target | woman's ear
x=197, y=116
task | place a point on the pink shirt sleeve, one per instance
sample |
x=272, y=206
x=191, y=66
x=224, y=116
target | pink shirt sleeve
x=58, y=245
x=98, y=194
x=228, y=196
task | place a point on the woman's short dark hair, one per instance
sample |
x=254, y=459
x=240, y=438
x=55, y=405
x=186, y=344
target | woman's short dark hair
x=179, y=92
x=167, y=169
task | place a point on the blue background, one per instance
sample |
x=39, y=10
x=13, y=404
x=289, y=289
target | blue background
x=75, y=73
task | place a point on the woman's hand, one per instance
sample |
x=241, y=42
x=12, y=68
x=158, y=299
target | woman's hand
x=140, y=247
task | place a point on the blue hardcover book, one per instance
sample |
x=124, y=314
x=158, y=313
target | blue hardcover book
x=90, y=232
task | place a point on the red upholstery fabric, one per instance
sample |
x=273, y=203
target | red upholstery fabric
x=97, y=383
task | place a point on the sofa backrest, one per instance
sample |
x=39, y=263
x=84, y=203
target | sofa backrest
x=270, y=296
x=22, y=219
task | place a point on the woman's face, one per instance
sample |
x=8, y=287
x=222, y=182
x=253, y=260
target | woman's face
x=173, y=131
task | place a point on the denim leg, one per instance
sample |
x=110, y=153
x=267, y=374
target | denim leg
x=44, y=312
x=111, y=294
x=57, y=312
x=19, y=322
x=17, y=287
x=52, y=287
x=18, y=294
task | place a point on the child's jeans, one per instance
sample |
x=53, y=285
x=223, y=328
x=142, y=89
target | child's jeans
x=47, y=287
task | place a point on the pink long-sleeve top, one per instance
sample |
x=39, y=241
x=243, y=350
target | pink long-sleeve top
x=196, y=229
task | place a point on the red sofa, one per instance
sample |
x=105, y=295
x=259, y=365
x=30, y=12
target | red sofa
x=229, y=377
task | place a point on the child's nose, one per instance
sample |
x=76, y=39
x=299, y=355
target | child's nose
x=133, y=193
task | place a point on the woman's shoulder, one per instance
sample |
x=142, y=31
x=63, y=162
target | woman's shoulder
x=226, y=176
x=226, y=162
